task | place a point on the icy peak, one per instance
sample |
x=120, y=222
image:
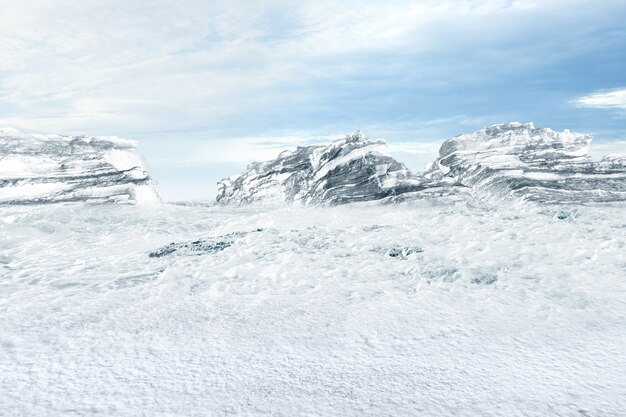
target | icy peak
x=518, y=160
x=522, y=140
x=9, y=131
x=504, y=161
x=514, y=125
x=352, y=168
x=355, y=137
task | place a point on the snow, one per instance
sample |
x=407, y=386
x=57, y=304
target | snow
x=52, y=168
x=515, y=162
x=26, y=191
x=520, y=162
x=350, y=169
x=360, y=153
x=26, y=166
x=122, y=159
x=464, y=299
x=430, y=308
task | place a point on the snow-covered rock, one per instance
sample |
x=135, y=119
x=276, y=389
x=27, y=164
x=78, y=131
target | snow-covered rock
x=350, y=169
x=52, y=168
x=519, y=161
x=512, y=161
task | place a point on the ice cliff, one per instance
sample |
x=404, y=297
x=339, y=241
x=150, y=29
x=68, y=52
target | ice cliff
x=520, y=162
x=512, y=161
x=51, y=168
x=350, y=169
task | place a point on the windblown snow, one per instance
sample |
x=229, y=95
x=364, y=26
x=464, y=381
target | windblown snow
x=477, y=293
x=430, y=308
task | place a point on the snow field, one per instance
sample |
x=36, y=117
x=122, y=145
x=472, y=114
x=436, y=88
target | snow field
x=430, y=308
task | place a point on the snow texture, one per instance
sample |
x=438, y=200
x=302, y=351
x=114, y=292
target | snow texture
x=430, y=308
x=349, y=170
x=447, y=306
x=503, y=162
x=52, y=168
x=520, y=162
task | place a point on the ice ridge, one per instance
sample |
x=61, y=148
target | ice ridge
x=351, y=169
x=514, y=161
x=518, y=161
x=54, y=168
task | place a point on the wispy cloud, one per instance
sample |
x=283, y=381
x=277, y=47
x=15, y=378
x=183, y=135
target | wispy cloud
x=142, y=66
x=604, y=99
x=189, y=79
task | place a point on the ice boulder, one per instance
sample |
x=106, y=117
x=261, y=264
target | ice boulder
x=52, y=168
x=350, y=169
x=519, y=161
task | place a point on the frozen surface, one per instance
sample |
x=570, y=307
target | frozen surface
x=518, y=161
x=505, y=162
x=52, y=168
x=429, y=308
x=351, y=169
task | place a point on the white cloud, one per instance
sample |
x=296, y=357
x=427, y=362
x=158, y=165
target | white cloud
x=605, y=99
x=209, y=62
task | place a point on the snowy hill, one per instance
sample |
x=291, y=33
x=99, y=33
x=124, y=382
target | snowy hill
x=51, y=168
x=519, y=161
x=348, y=170
x=503, y=162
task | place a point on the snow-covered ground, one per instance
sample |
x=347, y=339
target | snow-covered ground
x=429, y=308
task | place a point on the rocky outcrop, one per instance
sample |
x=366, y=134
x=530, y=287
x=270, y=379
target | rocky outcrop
x=52, y=168
x=350, y=169
x=507, y=162
x=520, y=162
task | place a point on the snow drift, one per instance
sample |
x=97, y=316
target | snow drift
x=52, y=168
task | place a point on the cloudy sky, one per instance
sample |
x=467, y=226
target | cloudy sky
x=207, y=86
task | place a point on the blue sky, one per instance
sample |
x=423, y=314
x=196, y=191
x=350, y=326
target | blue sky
x=208, y=86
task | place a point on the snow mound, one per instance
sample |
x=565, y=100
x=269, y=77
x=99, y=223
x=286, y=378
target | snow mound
x=519, y=161
x=53, y=168
x=351, y=169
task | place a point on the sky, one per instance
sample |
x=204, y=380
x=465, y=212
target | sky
x=207, y=86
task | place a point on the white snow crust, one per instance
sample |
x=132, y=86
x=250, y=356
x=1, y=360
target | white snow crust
x=428, y=308
x=517, y=161
x=351, y=169
x=52, y=169
x=513, y=161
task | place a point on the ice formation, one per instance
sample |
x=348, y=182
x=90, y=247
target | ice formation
x=519, y=161
x=512, y=161
x=52, y=168
x=348, y=170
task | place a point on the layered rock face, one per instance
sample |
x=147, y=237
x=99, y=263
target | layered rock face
x=349, y=170
x=503, y=162
x=520, y=162
x=48, y=169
